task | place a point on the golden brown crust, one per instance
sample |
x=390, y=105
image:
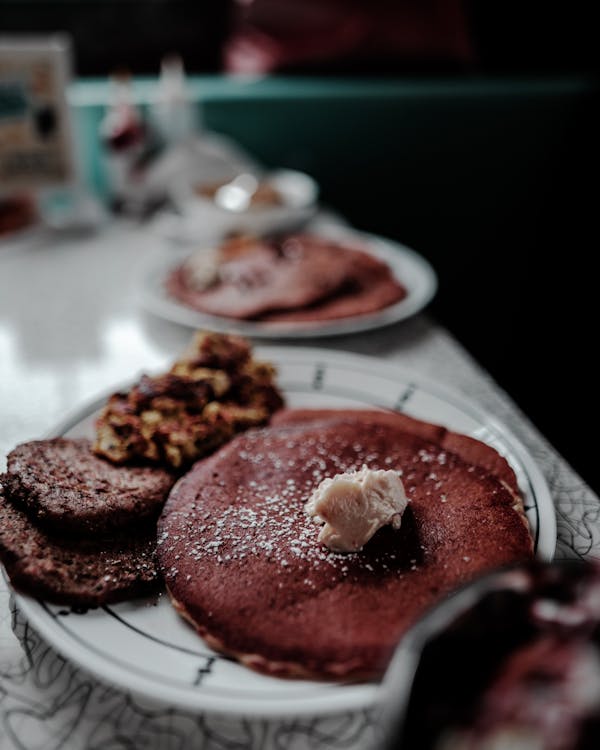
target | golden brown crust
x=213, y=391
x=258, y=662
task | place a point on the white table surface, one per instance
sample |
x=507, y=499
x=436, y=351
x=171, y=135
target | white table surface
x=70, y=328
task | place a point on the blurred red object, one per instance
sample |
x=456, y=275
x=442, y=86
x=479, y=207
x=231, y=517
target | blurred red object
x=122, y=127
x=338, y=35
x=17, y=212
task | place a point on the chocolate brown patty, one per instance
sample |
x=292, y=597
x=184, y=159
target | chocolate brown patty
x=64, y=486
x=84, y=573
x=243, y=564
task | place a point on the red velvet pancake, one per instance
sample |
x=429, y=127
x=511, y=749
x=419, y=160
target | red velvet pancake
x=242, y=561
x=291, y=279
x=466, y=447
x=371, y=288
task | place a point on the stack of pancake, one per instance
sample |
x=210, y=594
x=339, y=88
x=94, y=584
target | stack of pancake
x=296, y=278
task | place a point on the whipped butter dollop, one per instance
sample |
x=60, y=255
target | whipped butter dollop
x=354, y=505
x=202, y=269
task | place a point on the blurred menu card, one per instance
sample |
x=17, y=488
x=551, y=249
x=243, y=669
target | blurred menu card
x=36, y=145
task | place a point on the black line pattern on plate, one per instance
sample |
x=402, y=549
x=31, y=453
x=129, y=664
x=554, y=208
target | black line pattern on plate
x=405, y=396
x=64, y=707
x=135, y=668
x=204, y=670
x=359, y=367
x=319, y=376
x=193, y=652
x=577, y=507
x=357, y=396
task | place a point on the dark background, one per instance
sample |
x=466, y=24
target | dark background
x=500, y=195
x=438, y=36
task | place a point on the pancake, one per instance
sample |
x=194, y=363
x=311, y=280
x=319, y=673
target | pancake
x=469, y=449
x=270, y=275
x=80, y=573
x=294, y=278
x=242, y=562
x=64, y=486
x=372, y=288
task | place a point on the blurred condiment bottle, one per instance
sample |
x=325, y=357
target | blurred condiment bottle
x=173, y=115
x=122, y=134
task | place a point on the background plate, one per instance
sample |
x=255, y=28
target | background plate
x=415, y=273
x=145, y=647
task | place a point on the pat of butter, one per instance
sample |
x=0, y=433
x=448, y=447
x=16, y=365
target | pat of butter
x=354, y=505
x=202, y=269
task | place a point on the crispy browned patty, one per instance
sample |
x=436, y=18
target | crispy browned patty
x=242, y=561
x=64, y=486
x=77, y=572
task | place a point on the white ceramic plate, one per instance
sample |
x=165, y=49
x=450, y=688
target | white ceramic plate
x=410, y=268
x=146, y=648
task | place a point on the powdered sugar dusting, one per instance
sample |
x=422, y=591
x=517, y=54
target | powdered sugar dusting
x=265, y=516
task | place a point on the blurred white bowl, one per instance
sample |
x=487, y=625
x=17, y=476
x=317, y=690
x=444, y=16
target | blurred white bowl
x=203, y=218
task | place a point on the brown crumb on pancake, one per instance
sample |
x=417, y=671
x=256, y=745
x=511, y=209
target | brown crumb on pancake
x=215, y=390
